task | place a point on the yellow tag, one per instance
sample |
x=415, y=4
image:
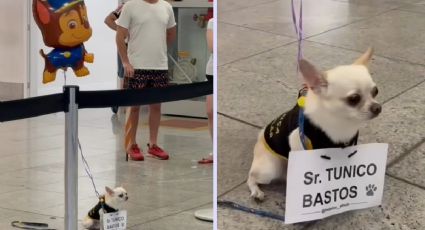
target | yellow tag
x=308, y=144
x=301, y=101
x=67, y=54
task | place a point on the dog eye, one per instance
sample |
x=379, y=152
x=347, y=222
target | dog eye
x=374, y=91
x=354, y=99
x=72, y=24
x=121, y=195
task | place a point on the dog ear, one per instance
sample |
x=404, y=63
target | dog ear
x=365, y=58
x=315, y=80
x=109, y=191
x=43, y=13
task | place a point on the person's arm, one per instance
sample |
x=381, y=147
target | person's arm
x=112, y=17
x=171, y=35
x=110, y=21
x=122, y=34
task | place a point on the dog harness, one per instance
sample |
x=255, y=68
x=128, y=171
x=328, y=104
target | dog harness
x=94, y=212
x=276, y=134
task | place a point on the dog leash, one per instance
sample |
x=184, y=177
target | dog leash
x=87, y=169
x=31, y=225
x=90, y=175
x=257, y=212
x=298, y=25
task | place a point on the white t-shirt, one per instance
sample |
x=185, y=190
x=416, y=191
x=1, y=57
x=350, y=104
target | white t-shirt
x=147, y=25
x=210, y=63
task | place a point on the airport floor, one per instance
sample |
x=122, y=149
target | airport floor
x=257, y=53
x=162, y=194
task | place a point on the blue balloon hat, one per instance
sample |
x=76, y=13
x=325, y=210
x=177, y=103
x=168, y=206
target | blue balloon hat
x=60, y=5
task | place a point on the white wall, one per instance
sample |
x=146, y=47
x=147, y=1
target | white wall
x=13, y=21
x=103, y=72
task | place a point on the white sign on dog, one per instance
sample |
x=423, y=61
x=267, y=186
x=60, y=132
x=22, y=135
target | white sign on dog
x=115, y=220
x=325, y=182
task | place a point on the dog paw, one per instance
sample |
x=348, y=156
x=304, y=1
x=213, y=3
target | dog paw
x=258, y=195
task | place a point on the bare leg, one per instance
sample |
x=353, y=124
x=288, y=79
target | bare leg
x=131, y=127
x=210, y=114
x=154, y=121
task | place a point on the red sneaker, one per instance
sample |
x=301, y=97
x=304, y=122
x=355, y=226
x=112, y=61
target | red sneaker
x=135, y=153
x=157, y=152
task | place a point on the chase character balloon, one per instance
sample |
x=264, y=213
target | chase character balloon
x=64, y=26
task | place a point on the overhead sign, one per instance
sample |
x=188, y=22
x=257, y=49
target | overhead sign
x=326, y=182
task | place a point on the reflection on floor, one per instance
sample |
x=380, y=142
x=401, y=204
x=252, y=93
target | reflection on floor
x=162, y=194
x=257, y=52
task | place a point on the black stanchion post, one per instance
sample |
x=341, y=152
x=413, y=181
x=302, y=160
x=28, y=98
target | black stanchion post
x=71, y=157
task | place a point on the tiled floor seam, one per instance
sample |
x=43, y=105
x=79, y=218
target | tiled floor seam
x=406, y=153
x=17, y=210
x=383, y=103
x=361, y=51
x=231, y=189
x=403, y=92
x=306, y=39
x=261, y=52
x=406, y=181
x=353, y=22
x=240, y=8
x=410, y=11
x=256, y=29
x=329, y=30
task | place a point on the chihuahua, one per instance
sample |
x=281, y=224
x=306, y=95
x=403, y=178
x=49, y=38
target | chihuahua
x=112, y=201
x=336, y=103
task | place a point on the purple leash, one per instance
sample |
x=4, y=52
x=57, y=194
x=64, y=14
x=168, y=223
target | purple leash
x=298, y=25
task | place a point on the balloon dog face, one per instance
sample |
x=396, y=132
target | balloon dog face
x=64, y=26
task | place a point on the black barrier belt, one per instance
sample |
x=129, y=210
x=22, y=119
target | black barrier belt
x=31, y=107
x=109, y=98
x=37, y=106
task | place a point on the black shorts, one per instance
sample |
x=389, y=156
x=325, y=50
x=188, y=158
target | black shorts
x=209, y=77
x=148, y=79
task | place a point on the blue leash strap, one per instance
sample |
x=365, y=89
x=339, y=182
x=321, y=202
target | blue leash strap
x=301, y=101
x=301, y=127
x=257, y=212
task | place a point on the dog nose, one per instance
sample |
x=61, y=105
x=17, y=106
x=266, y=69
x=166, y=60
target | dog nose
x=375, y=108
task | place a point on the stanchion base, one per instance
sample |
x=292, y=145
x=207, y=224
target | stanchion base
x=205, y=214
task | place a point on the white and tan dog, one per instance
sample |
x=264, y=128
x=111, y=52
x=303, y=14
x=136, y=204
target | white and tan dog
x=112, y=201
x=338, y=102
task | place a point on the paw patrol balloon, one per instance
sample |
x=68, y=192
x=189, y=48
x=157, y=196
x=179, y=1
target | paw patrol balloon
x=65, y=27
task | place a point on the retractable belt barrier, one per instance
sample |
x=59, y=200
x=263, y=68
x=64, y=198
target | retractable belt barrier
x=37, y=106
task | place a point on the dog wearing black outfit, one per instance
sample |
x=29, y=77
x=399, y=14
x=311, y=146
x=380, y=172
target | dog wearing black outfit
x=335, y=104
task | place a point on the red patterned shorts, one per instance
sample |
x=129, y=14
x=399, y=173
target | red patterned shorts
x=148, y=79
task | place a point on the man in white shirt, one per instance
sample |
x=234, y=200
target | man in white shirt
x=149, y=26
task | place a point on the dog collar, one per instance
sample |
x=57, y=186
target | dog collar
x=106, y=208
x=307, y=145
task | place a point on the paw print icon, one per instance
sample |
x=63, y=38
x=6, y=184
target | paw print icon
x=370, y=190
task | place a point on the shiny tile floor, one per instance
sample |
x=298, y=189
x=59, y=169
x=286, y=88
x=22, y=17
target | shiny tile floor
x=162, y=194
x=257, y=52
